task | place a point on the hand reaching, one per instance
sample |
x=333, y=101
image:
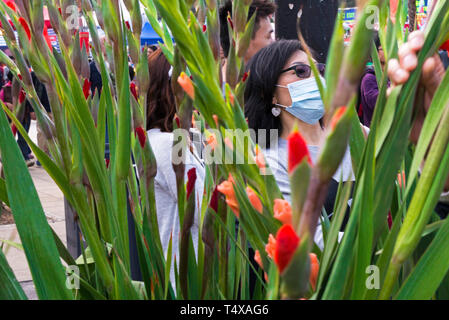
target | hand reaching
x=432, y=74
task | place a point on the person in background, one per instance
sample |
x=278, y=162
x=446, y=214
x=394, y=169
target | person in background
x=263, y=30
x=25, y=120
x=3, y=74
x=43, y=97
x=280, y=93
x=6, y=92
x=369, y=89
x=161, y=111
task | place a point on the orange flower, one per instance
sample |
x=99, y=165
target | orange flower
x=337, y=116
x=314, y=268
x=186, y=83
x=254, y=199
x=231, y=98
x=227, y=188
x=258, y=259
x=282, y=211
x=393, y=9
x=401, y=179
x=260, y=160
x=215, y=117
x=229, y=143
x=212, y=141
x=271, y=246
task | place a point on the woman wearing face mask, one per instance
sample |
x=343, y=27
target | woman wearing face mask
x=281, y=92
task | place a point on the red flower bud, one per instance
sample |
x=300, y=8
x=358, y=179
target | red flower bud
x=141, y=136
x=47, y=38
x=245, y=76
x=191, y=179
x=445, y=46
x=20, y=76
x=337, y=116
x=86, y=88
x=11, y=5
x=127, y=25
x=178, y=122
x=133, y=89
x=60, y=11
x=22, y=96
x=14, y=129
x=107, y=162
x=286, y=243
x=214, y=200
x=297, y=150
x=25, y=27
x=230, y=21
x=204, y=28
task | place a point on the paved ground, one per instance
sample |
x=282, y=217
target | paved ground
x=53, y=204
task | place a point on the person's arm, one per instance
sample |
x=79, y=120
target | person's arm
x=432, y=74
x=370, y=92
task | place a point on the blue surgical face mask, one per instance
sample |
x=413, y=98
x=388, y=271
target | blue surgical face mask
x=306, y=105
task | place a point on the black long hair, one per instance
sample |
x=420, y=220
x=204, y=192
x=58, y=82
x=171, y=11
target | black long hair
x=264, y=70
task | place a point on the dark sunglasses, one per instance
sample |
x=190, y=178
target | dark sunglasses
x=303, y=71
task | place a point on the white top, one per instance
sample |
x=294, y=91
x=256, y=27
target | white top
x=166, y=194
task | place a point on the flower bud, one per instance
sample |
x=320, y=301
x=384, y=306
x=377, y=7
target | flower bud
x=186, y=83
x=254, y=199
x=297, y=150
x=286, y=243
x=282, y=211
x=25, y=27
x=227, y=188
x=86, y=88
x=141, y=135
x=191, y=179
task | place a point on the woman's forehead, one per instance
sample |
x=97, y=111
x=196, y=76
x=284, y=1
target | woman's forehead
x=297, y=57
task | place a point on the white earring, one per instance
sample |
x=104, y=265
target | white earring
x=276, y=111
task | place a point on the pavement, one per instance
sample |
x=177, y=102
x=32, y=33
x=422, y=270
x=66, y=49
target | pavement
x=52, y=200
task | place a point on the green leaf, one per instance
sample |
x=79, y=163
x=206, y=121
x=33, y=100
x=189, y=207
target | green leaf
x=10, y=288
x=35, y=233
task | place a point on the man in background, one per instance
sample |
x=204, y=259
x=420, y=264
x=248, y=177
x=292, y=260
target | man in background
x=263, y=30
